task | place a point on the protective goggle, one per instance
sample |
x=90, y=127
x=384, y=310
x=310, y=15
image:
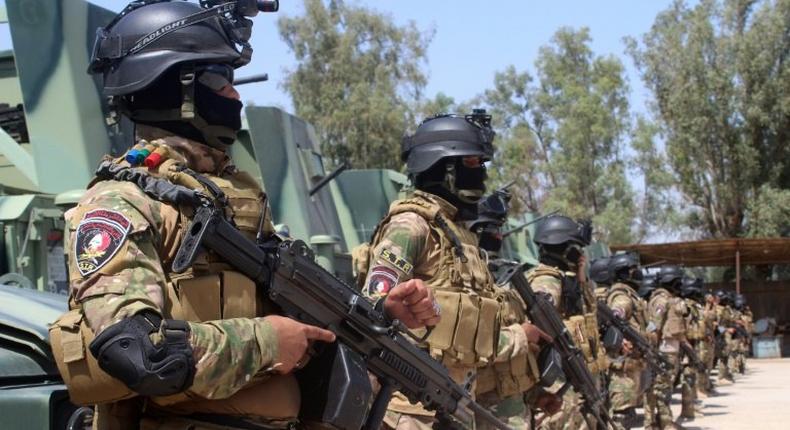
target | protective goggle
x=473, y=162
x=215, y=76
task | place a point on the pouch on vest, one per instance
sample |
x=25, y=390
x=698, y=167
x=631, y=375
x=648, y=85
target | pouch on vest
x=87, y=383
x=467, y=331
x=675, y=323
x=222, y=295
x=516, y=375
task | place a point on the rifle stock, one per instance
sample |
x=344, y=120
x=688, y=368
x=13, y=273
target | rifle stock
x=289, y=275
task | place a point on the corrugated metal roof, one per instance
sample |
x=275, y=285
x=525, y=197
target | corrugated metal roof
x=713, y=252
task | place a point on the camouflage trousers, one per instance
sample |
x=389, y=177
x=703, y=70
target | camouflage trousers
x=706, y=351
x=571, y=416
x=657, y=399
x=624, y=385
x=688, y=390
x=727, y=359
x=514, y=411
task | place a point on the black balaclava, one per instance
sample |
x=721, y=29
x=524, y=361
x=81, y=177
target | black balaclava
x=435, y=181
x=490, y=239
x=561, y=256
x=166, y=93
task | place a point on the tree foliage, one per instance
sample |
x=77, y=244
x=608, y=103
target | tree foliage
x=562, y=137
x=358, y=77
x=720, y=77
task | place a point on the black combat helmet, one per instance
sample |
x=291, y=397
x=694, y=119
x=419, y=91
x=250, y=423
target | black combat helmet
x=559, y=230
x=446, y=157
x=599, y=271
x=625, y=267
x=560, y=240
x=670, y=277
x=154, y=54
x=691, y=288
x=740, y=302
x=648, y=285
x=492, y=210
x=491, y=216
x=446, y=136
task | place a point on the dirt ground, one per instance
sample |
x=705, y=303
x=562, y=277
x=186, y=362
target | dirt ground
x=758, y=400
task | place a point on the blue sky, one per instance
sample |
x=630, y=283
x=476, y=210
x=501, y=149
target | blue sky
x=472, y=39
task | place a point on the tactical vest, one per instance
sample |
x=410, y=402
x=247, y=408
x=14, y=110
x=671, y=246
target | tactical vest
x=583, y=327
x=520, y=373
x=467, y=332
x=209, y=290
x=671, y=322
x=695, y=328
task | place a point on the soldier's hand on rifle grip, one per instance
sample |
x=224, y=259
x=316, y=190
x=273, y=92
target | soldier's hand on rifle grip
x=549, y=403
x=627, y=348
x=413, y=304
x=535, y=335
x=293, y=340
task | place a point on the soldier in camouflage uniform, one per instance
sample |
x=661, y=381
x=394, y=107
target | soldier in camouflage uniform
x=561, y=279
x=707, y=346
x=666, y=315
x=692, y=294
x=423, y=237
x=726, y=344
x=627, y=372
x=510, y=400
x=743, y=321
x=169, y=345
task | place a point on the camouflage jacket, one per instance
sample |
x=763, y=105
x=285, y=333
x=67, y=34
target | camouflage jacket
x=122, y=243
x=666, y=313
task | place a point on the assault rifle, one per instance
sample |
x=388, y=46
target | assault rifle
x=545, y=316
x=528, y=223
x=366, y=340
x=657, y=362
x=689, y=352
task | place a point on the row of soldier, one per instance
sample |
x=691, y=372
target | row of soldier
x=669, y=308
x=205, y=348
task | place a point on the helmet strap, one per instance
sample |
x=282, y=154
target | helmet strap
x=187, y=78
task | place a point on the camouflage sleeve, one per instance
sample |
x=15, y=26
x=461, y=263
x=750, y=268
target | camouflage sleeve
x=550, y=287
x=513, y=344
x=116, y=272
x=400, y=247
x=656, y=311
x=621, y=305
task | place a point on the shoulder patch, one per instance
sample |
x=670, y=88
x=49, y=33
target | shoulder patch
x=100, y=235
x=396, y=261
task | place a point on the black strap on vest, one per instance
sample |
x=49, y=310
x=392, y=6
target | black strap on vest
x=159, y=189
x=459, y=249
x=215, y=191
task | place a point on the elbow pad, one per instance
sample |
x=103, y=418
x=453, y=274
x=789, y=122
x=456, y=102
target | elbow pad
x=126, y=352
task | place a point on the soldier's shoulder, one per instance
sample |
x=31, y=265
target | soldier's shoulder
x=117, y=197
x=544, y=274
x=409, y=222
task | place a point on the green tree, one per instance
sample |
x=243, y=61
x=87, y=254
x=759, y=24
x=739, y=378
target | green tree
x=564, y=136
x=358, y=79
x=720, y=77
